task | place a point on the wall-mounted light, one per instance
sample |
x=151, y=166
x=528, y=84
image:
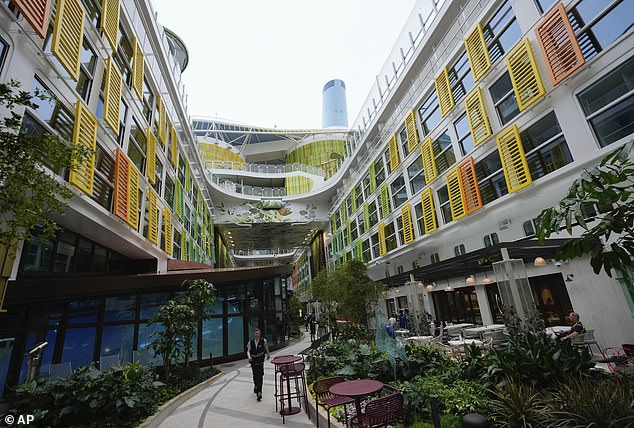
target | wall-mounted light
x=486, y=280
x=449, y=288
x=470, y=280
x=570, y=277
x=420, y=284
x=430, y=288
x=398, y=290
x=539, y=262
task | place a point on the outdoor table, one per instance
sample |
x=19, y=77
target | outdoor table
x=552, y=331
x=477, y=331
x=452, y=328
x=356, y=389
x=462, y=342
x=281, y=361
x=419, y=340
x=402, y=332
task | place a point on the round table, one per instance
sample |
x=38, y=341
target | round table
x=281, y=361
x=356, y=389
x=462, y=342
x=419, y=340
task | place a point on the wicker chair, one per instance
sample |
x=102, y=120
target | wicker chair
x=327, y=400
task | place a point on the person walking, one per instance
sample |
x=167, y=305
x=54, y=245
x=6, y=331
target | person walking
x=313, y=328
x=256, y=350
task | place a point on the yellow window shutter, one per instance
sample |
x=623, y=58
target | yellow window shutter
x=162, y=118
x=385, y=201
x=344, y=213
x=477, y=115
x=174, y=139
x=353, y=195
x=429, y=212
x=477, y=52
x=110, y=21
x=167, y=230
x=429, y=161
x=84, y=134
x=443, y=89
x=138, y=68
x=469, y=185
x=133, y=198
x=394, y=159
x=121, y=190
x=366, y=217
x=410, y=130
x=559, y=45
x=152, y=227
x=372, y=174
x=349, y=233
x=382, y=244
x=112, y=95
x=406, y=218
x=188, y=177
x=516, y=172
x=36, y=13
x=150, y=155
x=456, y=198
x=527, y=84
x=68, y=35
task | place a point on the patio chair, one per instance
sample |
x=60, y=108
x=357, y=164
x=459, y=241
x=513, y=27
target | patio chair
x=60, y=370
x=324, y=398
x=617, y=360
x=587, y=339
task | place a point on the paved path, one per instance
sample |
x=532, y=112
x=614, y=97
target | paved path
x=230, y=401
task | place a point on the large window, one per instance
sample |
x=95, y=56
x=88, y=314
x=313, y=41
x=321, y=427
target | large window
x=123, y=56
x=544, y=5
x=597, y=24
x=429, y=114
x=463, y=131
x=445, y=207
x=137, y=147
x=609, y=104
x=460, y=78
x=545, y=146
x=416, y=175
x=418, y=210
x=358, y=190
x=501, y=32
x=4, y=47
x=379, y=171
x=390, y=237
x=88, y=61
x=373, y=215
x=491, y=178
x=103, y=186
x=399, y=191
x=456, y=306
x=443, y=152
x=504, y=98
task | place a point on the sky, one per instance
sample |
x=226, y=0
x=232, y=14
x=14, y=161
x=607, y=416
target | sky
x=264, y=62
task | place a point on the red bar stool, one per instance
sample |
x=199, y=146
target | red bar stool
x=292, y=372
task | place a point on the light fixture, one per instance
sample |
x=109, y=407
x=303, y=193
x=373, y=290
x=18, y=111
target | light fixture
x=430, y=288
x=398, y=290
x=420, y=284
x=470, y=280
x=539, y=262
x=486, y=280
x=449, y=287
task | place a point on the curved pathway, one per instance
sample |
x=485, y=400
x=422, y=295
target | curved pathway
x=230, y=401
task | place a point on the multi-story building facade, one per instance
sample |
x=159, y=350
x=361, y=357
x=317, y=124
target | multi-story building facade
x=482, y=117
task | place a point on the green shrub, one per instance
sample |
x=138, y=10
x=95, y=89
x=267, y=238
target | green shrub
x=517, y=405
x=357, y=332
x=430, y=360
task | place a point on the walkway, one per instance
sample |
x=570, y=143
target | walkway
x=230, y=401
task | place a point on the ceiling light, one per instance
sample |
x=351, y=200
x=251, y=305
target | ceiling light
x=430, y=288
x=539, y=262
x=470, y=280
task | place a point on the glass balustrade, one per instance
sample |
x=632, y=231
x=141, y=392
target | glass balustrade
x=265, y=169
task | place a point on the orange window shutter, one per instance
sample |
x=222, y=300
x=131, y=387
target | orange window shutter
x=68, y=35
x=152, y=229
x=410, y=130
x=382, y=244
x=429, y=211
x=443, y=89
x=112, y=96
x=138, y=68
x=477, y=115
x=36, y=13
x=429, y=161
x=133, y=196
x=150, y=167
x=516, y=172
x=559, y=45
x=84, y=134
x=110, y=21
x=406, y=219
x=527, y=84
x=477, y=52
x=121, y=190
x=456, y=199
x=167, y=231
x=470, y=188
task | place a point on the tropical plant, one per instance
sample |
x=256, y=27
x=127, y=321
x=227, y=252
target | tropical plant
x=349, y=289
x=200, y=296
x=610, y=239
x=516, y=405
x=179, y=323
x=29, y=193
x=293, y=317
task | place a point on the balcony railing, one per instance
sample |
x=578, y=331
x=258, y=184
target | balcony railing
x=265, y=192
x=265, y=169
x=265, y=253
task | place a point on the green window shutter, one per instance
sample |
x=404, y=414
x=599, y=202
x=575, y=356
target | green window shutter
x=372, y=173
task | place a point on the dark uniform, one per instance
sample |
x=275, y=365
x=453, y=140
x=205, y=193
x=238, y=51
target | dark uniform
x=257, y=363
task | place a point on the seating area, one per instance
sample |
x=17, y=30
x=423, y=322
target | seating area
x=324, y=398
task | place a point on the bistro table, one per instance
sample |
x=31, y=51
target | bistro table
x=465, y=342
x=279, y=362
x=419, y=340
x=402, y=332
x=552, y=331
x=356, y=389
x=477, y=331
x=454, y=328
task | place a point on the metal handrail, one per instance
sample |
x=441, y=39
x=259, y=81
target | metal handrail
x=265, y=169
x=265, y=192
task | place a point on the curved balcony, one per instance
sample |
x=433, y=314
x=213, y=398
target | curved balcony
x=247, y=190
x=264, y=169
x=259, y=254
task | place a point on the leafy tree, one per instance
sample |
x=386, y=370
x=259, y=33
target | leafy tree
x=200, y=296
x=349, y=289
x=29, y=194
x=179, y=323
x=610, y=238
x=292, y=315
